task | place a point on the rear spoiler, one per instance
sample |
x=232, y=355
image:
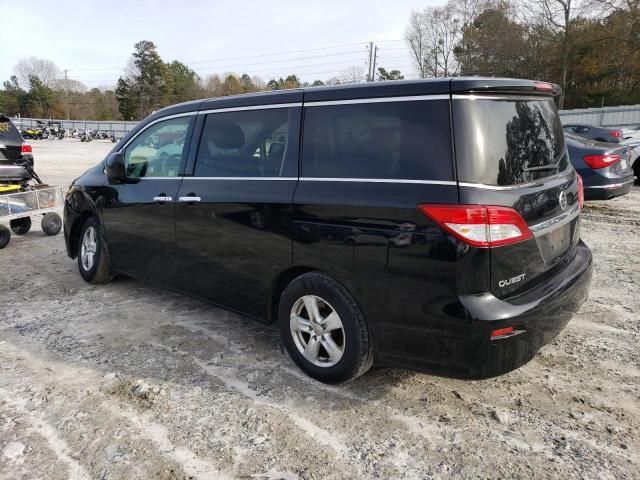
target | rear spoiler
x=504, y=85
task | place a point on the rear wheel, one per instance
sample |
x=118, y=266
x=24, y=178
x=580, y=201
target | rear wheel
x=20, y=226
x=324, y=330
x=93, y=261
x=5, y=236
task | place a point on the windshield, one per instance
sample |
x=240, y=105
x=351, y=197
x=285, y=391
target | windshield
x=507, y=141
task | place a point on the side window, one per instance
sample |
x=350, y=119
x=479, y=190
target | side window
x=388, y=140
x=248, y=143
x=159, y=150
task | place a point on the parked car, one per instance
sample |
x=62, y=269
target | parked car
x=351, y=216
x=596, y=133
x=631, y=132
x=605, y=168
x=13, y=151
x=634, y=155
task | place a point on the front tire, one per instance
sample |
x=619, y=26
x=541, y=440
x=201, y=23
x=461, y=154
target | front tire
x=323, y=329
x=93, y=260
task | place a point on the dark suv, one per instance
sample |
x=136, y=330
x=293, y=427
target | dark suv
x=432, y=225
x=13, y=152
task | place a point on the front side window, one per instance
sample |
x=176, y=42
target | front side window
x=159, y=150
x=387, y=140
x=248, y=143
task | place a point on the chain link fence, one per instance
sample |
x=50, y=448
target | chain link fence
x=120, y=128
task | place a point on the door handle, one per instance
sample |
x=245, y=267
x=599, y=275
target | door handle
x=162, y=199
x=189, y=199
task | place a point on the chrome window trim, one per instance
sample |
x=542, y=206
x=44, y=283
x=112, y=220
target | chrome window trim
x=542, y=181
x=241, y=178
x=489, y=96
x=545, y=227
x=157, y=120
x=356, y=101
x=250, y=107
x=378, y=180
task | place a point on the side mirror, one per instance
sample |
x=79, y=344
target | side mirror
x=114, y=167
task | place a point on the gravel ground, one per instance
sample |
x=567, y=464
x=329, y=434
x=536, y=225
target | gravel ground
x=128, y=381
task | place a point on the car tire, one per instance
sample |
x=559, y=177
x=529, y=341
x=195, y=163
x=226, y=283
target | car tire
x=93, y=260
x=20, y=226
x=332, y=343
x=5, y=236
x=51, y=224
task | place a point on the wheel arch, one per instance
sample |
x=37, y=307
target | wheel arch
x=279, y=284
x=76, y=228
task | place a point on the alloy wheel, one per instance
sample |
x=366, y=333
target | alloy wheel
x=317, y=331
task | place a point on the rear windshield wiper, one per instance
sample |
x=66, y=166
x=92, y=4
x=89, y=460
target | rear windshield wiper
x=551, y=166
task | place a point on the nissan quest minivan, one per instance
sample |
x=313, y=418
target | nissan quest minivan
x=431, y=225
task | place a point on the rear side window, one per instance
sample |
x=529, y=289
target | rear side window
x=8, y=131
x=387, y=140
x=507, y=141
x=248, y=143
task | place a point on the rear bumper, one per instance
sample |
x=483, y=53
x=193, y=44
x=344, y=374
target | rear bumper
x=462, y=347
x=604, y=192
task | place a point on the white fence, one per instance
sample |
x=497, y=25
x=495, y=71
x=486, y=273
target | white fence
x=606, y=117
x=120, y=128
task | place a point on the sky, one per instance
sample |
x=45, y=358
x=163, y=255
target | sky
x=93, y=40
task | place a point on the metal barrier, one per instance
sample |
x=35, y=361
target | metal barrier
x=120, y=128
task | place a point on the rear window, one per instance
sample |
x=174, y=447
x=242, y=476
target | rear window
x=388, y=140
x=508, y=141
x=8, y=131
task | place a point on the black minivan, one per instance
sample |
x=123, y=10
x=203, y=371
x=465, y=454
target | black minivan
x=431, y=225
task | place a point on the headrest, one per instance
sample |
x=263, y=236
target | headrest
x=224, y=134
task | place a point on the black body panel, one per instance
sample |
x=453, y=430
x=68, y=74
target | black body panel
x=430, y=300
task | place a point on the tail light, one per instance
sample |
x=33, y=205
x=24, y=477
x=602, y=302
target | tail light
x=616, y=133
x=479, y=225
x=26, y=148
x=580, y=191
x=601, y=161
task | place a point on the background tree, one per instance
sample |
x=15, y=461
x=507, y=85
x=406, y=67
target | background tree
x=127, y=99
x=44, y=70
x=392, y=75
x=433, y=35
x=150, y=78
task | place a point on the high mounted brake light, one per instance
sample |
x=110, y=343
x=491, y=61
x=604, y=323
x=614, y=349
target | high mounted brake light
x=479, y=225
x=544, y=87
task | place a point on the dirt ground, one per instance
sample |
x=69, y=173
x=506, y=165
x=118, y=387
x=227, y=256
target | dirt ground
x=128, y=381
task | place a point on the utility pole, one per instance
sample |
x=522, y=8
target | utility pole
x=369, y=73
x=375, y=58
x=66, y=92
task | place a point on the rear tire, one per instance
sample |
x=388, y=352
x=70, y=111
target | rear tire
x=20, y=226
x=332, y=343
x=51, y=224
x=5, y=236
x=93, y=260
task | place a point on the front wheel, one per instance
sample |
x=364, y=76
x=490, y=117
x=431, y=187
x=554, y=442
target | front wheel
x=93, y=261
x=323, y=329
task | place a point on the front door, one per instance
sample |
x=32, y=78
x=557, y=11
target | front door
x=139, y=218
x=233, y=216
